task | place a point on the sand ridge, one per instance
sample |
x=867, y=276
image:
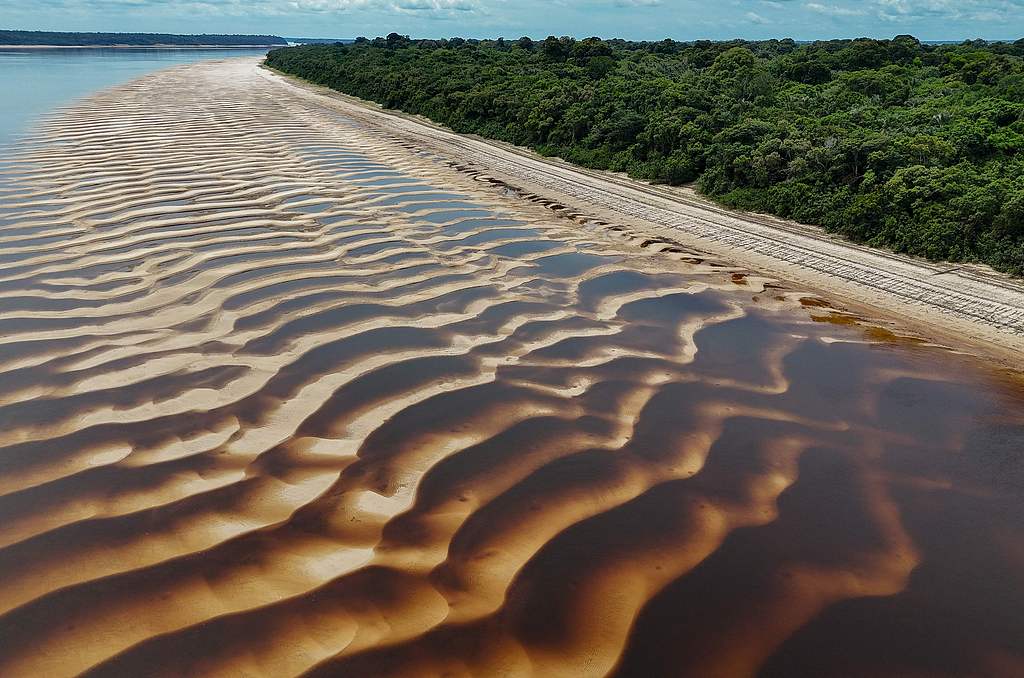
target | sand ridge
x=282, y=395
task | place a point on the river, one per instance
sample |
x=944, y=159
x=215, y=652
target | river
x=282, y=392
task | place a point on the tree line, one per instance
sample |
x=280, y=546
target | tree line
x=894, y=143
x=57, y=39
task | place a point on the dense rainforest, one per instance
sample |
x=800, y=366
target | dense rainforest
x=899, y=144
x=139, y=39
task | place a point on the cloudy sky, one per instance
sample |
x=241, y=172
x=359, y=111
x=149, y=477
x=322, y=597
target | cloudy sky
x=637, y=19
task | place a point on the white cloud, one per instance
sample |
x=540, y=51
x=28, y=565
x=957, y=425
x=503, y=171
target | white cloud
x=260, y=7
x=635, y=19
x=969, y=10
x=834, y=10
x=384, y=5
x=415, y=5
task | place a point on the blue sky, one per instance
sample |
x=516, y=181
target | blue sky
x=636, y=19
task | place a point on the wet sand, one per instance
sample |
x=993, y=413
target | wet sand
x=284, y=395
x=962, y=304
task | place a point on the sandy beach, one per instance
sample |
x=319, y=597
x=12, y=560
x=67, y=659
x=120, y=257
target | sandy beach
x=959, y=303
x=293, y=386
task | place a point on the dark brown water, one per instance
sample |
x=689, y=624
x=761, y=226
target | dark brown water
x=438, y=432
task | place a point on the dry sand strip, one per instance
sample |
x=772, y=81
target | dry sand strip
x=969, y=302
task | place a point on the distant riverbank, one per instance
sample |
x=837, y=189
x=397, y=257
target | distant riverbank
x=38, y=39
x=169, y=46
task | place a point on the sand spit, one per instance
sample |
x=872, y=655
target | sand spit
x=955, y=303
x=283, y=394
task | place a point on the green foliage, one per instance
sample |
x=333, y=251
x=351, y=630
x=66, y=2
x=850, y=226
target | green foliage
x=898, y=144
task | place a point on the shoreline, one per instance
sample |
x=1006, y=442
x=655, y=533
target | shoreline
x=962, y=306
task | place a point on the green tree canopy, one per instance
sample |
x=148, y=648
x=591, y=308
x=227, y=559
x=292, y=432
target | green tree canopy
x=895, y=143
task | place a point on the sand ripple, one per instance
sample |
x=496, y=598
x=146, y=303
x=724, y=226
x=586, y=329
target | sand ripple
x=281, y=395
